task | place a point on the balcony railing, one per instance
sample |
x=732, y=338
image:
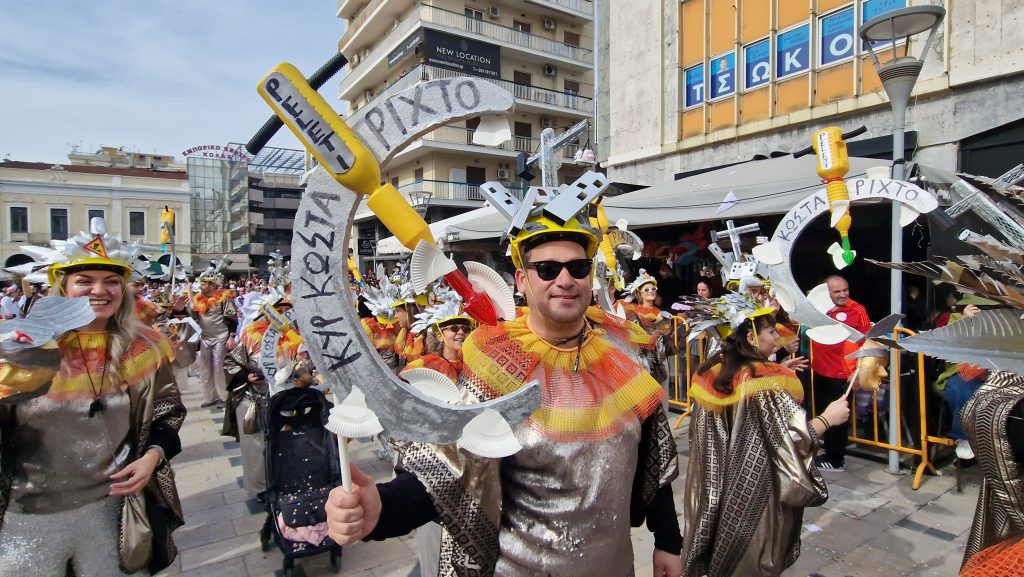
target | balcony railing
x=584, y=6
x=459, y=135
x=521, y=91
x=504, y=33
x=449, y=190
x=459, y=21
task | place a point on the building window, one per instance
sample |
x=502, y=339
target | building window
x=136, y=223
x=95, y=213
x=19, y=219
x=474, y=14
x=394, y=181
x=521, y=26
x=58, y=223
x=572, y=39
x=418, y=174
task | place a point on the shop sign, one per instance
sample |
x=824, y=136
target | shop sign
x=792, y=51
x=757, y=67
x=217, y=151
x=835, y=37
x=723, y=75
x=693, y=86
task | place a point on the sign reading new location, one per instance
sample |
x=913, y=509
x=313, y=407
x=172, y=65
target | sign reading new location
x=462, y=54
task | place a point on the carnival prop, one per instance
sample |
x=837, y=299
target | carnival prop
x=339, y=150
x=350, y=168
x=351, y=419
x=775, y=255
x=735, y=265
x=833, y=164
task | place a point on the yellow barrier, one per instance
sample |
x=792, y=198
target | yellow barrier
x=894, y=389
x=680, y=398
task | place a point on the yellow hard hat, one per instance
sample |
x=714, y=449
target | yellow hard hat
x=541, y=229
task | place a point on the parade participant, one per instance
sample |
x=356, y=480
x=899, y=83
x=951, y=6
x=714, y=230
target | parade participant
x=247, y=395
x=751, y=469
x=704, y=289
x=656, y=322
x=382, y=327
x=596, y=457
x=87, y=452
x=214, y=310
x=965, y=379
x=409, y=342
x=446, y=329
x=832, y=372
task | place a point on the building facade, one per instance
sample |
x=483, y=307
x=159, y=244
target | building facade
x=540, y=51
x=43, y=202
x=714, y=82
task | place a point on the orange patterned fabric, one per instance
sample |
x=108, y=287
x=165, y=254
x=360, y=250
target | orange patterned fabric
x=451, y=369
x=1004, y=559
x=83, y=355
x=408, y=345
x=147, y=311
x=382, y=335
x=763, y=377
x=971, y=372
x=201, y=303
x=593, y=403
x=252, y=334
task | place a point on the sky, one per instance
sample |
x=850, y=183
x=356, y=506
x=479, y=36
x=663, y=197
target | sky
x=155, y=76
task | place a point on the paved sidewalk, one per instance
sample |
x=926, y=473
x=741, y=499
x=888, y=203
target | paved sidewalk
x=874, y=524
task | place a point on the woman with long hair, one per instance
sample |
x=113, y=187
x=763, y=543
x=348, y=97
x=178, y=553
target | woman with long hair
x=84, y=455
x=751, y=469
x=445, y=328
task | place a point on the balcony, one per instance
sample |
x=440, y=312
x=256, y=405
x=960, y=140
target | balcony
x=577, y=8
x=448, y=190
x=445, y=136
x=255, y=218
x=528, y=98
x=347, y=8
x=371, y=68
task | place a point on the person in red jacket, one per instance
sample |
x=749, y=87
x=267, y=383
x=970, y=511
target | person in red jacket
x=831, y=372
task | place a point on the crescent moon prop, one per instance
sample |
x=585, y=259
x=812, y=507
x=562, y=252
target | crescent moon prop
x=322, y=296
x=337, y=343
x=775, y=254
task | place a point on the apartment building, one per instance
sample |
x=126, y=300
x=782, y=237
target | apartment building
x=43, y=202
x=539, y=50
x=244, y=206
x=714, y=82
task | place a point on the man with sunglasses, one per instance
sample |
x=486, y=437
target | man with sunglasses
x=596, y=457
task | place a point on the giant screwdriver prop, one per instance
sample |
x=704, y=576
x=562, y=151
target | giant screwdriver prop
x=341, y=152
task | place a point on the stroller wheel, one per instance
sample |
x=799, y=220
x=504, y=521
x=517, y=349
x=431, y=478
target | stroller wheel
x=336, y=559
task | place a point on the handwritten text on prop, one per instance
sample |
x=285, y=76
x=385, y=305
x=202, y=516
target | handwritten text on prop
x=325, y=309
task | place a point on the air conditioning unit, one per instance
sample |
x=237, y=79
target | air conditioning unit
x=549, y=23
x=494, y=12
x=545, y=122
x=503, y=174
x=550, y=70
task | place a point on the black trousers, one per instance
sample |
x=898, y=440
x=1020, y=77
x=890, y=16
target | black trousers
x=827, y=390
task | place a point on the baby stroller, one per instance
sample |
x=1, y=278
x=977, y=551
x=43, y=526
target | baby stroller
x=302, y=467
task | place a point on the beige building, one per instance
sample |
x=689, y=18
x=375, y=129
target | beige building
x=42, y=202
x=713, y=82
x=539, y=50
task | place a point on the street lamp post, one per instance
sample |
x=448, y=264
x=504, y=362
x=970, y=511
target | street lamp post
x=899, y=74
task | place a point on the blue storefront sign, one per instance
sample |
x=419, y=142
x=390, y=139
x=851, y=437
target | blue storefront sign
x=693, y=86
x=723, y=75
x=792, y=51
x=835, y=37
x=872, y=8
x=757, y=65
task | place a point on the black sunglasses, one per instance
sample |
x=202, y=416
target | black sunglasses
x=549, y=270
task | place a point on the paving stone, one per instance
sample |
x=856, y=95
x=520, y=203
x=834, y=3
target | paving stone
x=369, y=554
x=867, y=561
x=851, y=502
x=197, y=534
x=232, y=549
x=811, y=560
x=202, y=501
x=249, y=523
x=915, y=546
x=233, y=567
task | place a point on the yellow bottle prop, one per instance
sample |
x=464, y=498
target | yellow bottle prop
x=340, y=151
x=833, y=165
x=599, y=220
x=166, y=227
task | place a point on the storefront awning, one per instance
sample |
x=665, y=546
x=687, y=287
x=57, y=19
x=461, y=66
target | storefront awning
x=760, y=187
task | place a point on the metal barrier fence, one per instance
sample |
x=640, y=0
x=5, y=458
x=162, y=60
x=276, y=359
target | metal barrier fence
x=693, y=356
